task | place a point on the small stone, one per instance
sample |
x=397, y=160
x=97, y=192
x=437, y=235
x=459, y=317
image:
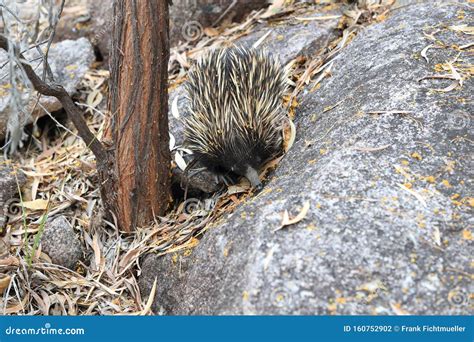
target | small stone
x=61, y=244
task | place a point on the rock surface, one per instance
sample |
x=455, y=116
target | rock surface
x=69, y=61
x=294, y=38
x=60, y=242
x=383, y=161
x=90, y=19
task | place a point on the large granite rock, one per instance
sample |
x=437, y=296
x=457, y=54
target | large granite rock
x=383, y=161
x=69, y=61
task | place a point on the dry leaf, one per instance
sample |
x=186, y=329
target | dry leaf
x=463, y=28
x=211, y=32
x=372, y=149
x=174, y=107
x=414, y=193
x=172, y=142
x=324, y=17
x=34, y=187
x=9, y=261
x=424, y=51
x=183, y=60
x=96, y=249
x=4, y=282
x=16, y=308
x=94, y=98
x=38, y=204
x=437, y=236
x=129, y=258
x=178, y=158
x=289, y=135
x=237, y=189
x=286, y=217
x=261, y=39
x=150, y=300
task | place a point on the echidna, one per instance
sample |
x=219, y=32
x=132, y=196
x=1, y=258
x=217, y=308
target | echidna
x=236, y=113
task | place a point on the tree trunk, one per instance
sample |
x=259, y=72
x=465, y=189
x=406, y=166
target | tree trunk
x=139, y=106
x=134, y=163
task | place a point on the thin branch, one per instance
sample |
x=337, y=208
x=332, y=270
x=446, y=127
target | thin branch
x=58, y=91
x=52, y=26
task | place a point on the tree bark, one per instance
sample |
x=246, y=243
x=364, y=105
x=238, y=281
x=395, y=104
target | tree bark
x=139, y=105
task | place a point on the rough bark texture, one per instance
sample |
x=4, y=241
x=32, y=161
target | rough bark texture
x=139, y=98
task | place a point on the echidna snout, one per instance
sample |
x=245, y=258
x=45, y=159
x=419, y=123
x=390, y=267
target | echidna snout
x=252, y=175
x=248, y=171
